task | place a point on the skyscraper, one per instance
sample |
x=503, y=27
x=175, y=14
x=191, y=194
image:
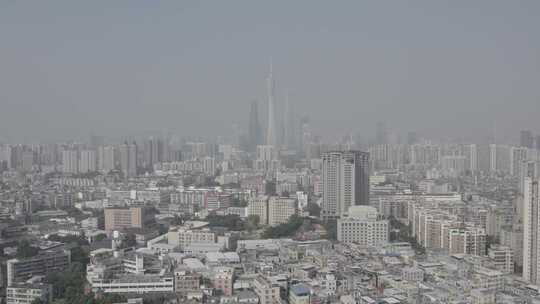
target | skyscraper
x=128, y=159
x=289, y=138
x=271, y=135
x=381, y=133
x=345, y=181
x=106, y=161
x=531, y=235
x=70, y=161
x=254, y=132
x=526, y=139
x=87, y=161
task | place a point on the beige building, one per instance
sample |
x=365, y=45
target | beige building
x=259, y=206
x=280, y=210
x=186, y=281
x=124, y=218
x=186, y=237
x=268, y=293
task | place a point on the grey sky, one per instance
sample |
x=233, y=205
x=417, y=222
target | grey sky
x=69, y=68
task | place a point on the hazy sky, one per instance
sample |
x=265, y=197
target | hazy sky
x=71, y=68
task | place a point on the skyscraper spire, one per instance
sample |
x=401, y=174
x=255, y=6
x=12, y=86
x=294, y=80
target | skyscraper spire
x=271, y=136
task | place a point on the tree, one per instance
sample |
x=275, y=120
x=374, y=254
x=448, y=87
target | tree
x=129, y=241
x=284, y=230
x=230, y=221
x=100, y=237
x=252, y=222
x=331, y=229
x=314, y=209
x=25, y=250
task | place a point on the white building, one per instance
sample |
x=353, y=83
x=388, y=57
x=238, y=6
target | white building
x=137, y=284
x=362, y=226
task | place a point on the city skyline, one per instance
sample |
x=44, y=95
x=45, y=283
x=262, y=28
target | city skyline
x=346, y=73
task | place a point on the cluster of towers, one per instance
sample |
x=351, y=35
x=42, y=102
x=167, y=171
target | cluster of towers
x=280, y=129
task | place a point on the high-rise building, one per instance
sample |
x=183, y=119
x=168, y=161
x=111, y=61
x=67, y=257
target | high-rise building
x=289, y=136
x=412, y=138
x=531, y=229
x=517, y=156
x=254, y=131
x=154, y=152
x=526, y=139
x=271, y=131
x=345, y=181
x=27, y=161
x=5, y=156
x=87, y=161
x=537, y=140
x=106, y=159
x=381, y=133
x=128, y=159
x=70, y=161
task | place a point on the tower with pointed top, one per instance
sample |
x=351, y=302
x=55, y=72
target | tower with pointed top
x=271, y=135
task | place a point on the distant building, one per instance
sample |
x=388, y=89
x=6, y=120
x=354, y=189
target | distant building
x=70, y=161
x=87, y=161
x=125, y=218
x=106, y=159
x=526, y=139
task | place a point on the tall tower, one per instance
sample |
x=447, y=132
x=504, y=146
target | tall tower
x=254, y=126
x=271, y=135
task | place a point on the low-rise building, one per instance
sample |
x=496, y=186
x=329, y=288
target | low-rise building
x=28, y=293
x=362, y=226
